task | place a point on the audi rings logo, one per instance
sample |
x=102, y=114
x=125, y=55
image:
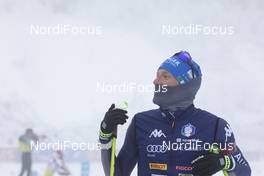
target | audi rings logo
x=156, y=148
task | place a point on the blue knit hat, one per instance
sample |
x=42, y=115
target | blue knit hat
x=182, y=67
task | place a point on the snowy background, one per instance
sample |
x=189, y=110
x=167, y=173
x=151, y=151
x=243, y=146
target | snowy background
x=49, y=81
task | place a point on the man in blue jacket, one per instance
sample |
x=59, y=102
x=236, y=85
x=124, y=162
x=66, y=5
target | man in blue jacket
x=177, y=139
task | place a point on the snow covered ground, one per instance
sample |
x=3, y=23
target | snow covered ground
x=12, y=169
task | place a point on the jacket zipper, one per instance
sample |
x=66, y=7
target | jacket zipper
x=171, y=152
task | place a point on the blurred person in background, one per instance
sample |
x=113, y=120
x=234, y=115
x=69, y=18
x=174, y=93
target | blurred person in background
x=57, y=165
x=25, y=141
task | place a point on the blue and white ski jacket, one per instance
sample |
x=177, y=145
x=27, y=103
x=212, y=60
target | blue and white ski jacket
x=165, y=144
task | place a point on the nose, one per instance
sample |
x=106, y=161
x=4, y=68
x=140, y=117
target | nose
x=156, y=81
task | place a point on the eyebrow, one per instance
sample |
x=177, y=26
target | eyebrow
x=166, y=73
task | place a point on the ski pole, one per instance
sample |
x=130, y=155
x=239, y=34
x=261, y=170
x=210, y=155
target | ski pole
x=112, y=166
x=122, y=105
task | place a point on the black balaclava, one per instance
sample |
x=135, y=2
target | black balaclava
x=177, y=97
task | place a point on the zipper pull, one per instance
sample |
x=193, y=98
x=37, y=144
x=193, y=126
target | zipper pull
x=173, y=118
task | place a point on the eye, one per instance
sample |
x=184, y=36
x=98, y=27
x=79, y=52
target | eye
x=166, y=76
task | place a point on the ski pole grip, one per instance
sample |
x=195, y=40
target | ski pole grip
x=121, y=105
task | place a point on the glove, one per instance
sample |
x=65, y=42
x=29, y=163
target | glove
x=112, y=118
x=209, y=164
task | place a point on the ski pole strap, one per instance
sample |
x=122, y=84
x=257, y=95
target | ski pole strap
x=105, y=136
x=227, y=162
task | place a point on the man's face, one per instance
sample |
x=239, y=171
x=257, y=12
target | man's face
x=164, y=77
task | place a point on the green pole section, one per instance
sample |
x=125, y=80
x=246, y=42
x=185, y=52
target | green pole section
x=122, y=105
x=112, y=167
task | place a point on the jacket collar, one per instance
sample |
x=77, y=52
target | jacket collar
x=179, y=114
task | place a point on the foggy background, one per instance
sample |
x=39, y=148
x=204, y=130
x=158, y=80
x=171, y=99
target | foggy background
x=49, y=81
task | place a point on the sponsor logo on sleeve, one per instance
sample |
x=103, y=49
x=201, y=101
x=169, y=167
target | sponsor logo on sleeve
x=228, y=132
x=240, y=159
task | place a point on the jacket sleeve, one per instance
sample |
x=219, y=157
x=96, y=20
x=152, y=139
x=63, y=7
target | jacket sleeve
x=225, y=137
x=127, y=157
